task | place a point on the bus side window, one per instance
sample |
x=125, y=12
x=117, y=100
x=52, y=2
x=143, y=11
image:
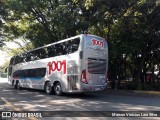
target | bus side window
x=51, y=51
x=21, y=58
x=46, y=52
x=32, y=56
x=56, y=50
x=25, y=73
x=65, y=46
x=12, y=61
x=72, y=45
x=35, y=55
x=17, y=60
x=42, y=53
x=10, y=70
x=24, y=57
x=28, y=56
x=68, y=47
x=31, y=73
x=75, y=44
x=22, y=74
x=40, y=72
x=59, y=49
x=17, y=73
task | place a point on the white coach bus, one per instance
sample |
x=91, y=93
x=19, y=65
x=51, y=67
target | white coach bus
x=74, y=65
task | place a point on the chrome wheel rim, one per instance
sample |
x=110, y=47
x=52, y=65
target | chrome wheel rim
x=58, y=89
x=48, y=89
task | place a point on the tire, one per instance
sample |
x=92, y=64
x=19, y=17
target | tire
x=48, y=88
x=17, y=85
x=58, y=89
x=12, y=82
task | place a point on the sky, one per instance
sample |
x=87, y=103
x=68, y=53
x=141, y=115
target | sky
x=4, y=56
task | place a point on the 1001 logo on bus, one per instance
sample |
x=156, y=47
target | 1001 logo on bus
x=57, y=66
x=97, y=42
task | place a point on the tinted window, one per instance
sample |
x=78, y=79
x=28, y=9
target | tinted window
x=42, y=53
x=20, y=58
x=51, y=51
x=72, y=46
x=17, y=59
x=63, y=48
x=59, y=49
x=12, y=61
x=40, y=72
x=24, y=57
x=28, y=56
x=37, y=72
x=9, y=70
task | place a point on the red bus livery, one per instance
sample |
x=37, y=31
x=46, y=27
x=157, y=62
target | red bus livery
x=97, y=42
x=57, y=66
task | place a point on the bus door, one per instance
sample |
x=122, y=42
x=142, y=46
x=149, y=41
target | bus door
x=96, y=59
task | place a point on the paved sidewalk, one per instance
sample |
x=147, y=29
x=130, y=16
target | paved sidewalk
x=2, y=106
x=132, y=92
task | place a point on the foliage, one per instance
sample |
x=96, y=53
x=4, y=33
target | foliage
x=132, y=29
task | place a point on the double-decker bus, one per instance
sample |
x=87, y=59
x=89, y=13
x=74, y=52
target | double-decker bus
x=74, y=65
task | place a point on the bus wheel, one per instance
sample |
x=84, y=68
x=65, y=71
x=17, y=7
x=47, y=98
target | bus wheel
x=48, y=88
x=57, y=89
x=17, y=85
x=12, y=82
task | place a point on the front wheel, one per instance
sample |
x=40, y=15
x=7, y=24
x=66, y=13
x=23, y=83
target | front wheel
x=17, y=85
x=58, y=89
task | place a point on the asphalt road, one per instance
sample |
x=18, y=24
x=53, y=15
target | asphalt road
x=34, y=100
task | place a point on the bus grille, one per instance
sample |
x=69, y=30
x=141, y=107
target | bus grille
x=72, y=82
x=96, y=67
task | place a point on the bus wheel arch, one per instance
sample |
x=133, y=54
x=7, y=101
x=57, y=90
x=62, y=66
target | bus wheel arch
x=57, y=88
x=48, y=88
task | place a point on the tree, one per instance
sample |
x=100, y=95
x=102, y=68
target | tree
x=44, y=22
x=2, y=14
x=130, y=26
x=136, y=34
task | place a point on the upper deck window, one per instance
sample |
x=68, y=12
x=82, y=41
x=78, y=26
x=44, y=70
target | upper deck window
x=62, y=48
